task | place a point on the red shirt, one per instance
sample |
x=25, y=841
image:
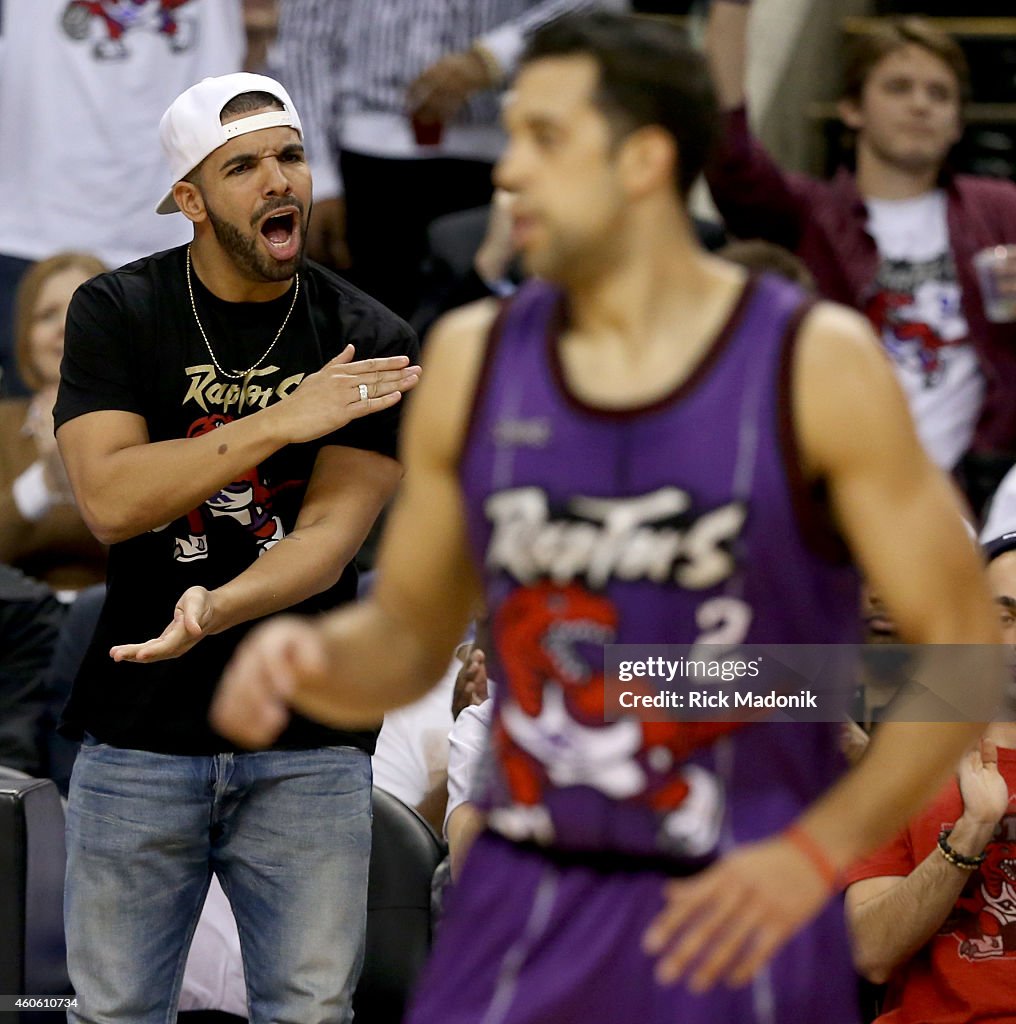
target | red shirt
x=966, y=972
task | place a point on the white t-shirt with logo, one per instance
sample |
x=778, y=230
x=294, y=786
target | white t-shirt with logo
x=81, y=95
x=917, y=306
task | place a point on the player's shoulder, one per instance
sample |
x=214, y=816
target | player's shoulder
x=469, y=324
x=834, y=337
x=845, y=394
x=453, y=357
x=458, y=340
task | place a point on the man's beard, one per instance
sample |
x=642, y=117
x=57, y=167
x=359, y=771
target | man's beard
x=243, y=249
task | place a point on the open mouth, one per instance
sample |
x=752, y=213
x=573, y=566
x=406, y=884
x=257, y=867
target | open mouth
x=881, y=626
x=281, y=232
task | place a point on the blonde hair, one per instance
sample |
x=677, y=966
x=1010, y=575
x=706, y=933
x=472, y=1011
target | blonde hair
x=27, y=297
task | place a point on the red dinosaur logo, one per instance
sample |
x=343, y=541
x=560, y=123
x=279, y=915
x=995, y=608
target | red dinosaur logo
x=987, y=915
x=116, y=18
x=551, y=731
x=246, y=500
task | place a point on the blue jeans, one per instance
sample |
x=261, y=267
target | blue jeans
x=288, y=834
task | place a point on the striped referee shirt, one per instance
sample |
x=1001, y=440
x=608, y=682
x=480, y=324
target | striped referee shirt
x=348, y=64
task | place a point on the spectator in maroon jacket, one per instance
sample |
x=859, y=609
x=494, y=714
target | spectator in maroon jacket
x=896, y=237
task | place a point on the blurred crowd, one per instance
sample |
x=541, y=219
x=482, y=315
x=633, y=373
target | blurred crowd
x=401, y=124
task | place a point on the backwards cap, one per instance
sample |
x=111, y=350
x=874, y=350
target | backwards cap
x=192, y=128
x=999, y=546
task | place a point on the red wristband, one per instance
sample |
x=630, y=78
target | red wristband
x=811, y=849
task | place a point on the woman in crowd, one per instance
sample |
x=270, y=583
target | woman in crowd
x=41, y=531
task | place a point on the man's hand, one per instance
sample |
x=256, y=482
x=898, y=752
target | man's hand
x=326, y=233
x=260, y=22
x=192, y=619
x=330, y=398
x=984, y=791
x=497, y=250
x=726, y=923
x=39, y=424
x=251, y=705
x=471, y=682
x=441, y=90
x=853, y=741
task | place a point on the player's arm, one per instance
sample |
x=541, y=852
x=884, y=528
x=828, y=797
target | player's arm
x=125, y=484
x=891, y=918
x=902, y=523
x=353, y=665
x=345, y=494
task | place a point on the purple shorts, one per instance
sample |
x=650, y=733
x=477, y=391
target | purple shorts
x=530, y=941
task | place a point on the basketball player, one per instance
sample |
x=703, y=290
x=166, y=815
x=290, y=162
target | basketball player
x=645, y=446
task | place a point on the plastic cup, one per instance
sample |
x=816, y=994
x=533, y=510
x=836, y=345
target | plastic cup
x=996, y=273
x=427, y=133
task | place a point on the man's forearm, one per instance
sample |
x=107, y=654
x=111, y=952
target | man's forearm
x=344, y=497
x=726, y=47
x=753, y=194
x=306, y=562
x=890, y=927
x=145, y=486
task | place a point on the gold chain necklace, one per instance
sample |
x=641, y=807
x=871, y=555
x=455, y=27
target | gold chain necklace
x=243, y=373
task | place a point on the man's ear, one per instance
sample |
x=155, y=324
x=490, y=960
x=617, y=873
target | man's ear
x=648, y=158
x=190, y=200
x=850, y=114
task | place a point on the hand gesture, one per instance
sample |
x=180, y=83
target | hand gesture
x=725, y=924
x=471, y=682
x=39, y=423
x=853, y=741
x=331, y=398
x=497, y=249
x=192, y=618
x=251, y=705
x=441, y=90
x=984, y=791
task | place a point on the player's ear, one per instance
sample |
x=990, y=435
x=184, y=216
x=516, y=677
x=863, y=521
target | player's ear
x=648, y=159
x=190, y=200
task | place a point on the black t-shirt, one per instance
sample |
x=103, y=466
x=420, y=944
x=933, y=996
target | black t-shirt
x=132, y=344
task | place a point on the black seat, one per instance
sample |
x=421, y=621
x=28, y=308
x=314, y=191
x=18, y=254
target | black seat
x=403, y=858
x=32, y=856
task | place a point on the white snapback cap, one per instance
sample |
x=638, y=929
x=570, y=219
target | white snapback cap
x=191, y=128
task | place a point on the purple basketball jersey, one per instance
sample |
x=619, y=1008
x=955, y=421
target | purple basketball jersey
x=679, y=522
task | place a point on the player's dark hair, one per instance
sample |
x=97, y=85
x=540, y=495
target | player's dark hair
x=649, y=74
